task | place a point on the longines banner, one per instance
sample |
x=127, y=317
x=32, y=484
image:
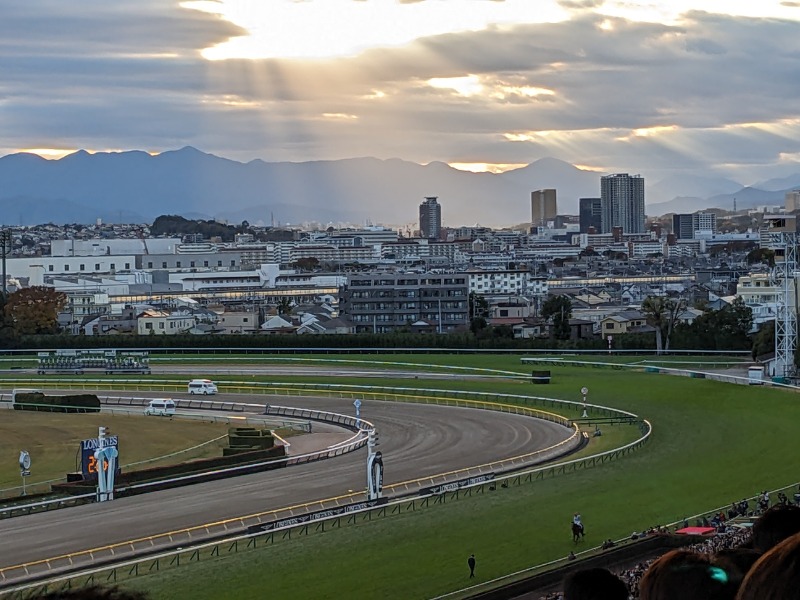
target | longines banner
x=316, y=516
x=456, y=485
x=89, y=464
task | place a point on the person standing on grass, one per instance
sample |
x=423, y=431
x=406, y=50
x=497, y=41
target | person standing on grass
x=471, y=564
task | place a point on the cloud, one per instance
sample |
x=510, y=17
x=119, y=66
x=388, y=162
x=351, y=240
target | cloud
x=131, y=75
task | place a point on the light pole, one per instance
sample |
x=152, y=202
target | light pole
x=5, y=242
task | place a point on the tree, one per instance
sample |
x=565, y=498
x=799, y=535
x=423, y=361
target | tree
x=761, y=255
x=661, y=313
x=285, y=306
x=7, y=334
x=34, y=310
x=725, y=329
x=478, y=309
x=675, y=308
x=307, y=263
x=478, y=306
x=764, y=340
x=654, y=309
x=558, y=311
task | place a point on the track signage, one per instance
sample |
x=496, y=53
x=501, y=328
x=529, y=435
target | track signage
x=89, y=464
x=456, y=485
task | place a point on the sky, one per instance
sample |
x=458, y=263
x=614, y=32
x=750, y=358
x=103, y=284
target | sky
x=658, y=88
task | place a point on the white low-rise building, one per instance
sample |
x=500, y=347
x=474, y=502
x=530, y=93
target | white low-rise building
x=160, y=322
x=506, y=282
x=36, y=268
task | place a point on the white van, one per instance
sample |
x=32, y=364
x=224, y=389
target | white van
x=202, y=386
x=160, y=407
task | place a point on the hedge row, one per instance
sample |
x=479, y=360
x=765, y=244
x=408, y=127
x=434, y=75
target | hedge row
x=455, y=341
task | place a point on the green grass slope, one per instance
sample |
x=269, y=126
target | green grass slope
x=712, y=443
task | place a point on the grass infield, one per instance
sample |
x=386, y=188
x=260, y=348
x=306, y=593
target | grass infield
x=712, y=443
x=52, y=439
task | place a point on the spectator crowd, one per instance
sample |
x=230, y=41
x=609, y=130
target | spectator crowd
x=761, y=562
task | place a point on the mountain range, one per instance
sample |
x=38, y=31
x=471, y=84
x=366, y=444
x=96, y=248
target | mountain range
x=136, y=187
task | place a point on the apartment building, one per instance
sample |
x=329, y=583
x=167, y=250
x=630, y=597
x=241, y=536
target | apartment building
x=506, y=282
x=386, y=302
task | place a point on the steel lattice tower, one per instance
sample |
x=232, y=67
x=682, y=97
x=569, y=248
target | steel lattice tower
x=782, y=238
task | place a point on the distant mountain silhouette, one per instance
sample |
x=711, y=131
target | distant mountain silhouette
x=685, y=186
x=135, y=186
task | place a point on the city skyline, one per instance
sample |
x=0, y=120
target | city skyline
x=703, y=88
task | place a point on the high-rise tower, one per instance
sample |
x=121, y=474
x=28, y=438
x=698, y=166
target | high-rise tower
x=543, y=207
x=430, y=218
x=591, y=214
x=622, y=199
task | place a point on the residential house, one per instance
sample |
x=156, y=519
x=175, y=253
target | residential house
x=581, y=329
x=239, y=321
x=339, y=325
x=277, y=325
x=629, y=321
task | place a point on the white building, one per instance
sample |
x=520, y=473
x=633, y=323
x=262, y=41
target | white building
x=159, y=322
x=757, y=292
x=35, y=268
x=506, y=283
x=113, y=247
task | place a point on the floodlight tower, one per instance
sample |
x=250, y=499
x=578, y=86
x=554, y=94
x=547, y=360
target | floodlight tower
x=781, y=233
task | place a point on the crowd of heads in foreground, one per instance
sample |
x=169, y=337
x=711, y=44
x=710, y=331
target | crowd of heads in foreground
x=762, y=564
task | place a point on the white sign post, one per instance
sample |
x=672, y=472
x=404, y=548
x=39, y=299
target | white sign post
x=357, y=404
x=610, y=339
x=24, y=468
x=584, y=392
x=374, y=467
x=105, y=455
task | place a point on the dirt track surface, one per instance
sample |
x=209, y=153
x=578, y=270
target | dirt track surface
x=416, y=441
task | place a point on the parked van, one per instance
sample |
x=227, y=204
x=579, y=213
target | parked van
x=202, y=386
x=160, y=407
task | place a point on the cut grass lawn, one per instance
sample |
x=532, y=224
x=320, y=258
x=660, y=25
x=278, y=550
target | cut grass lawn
x=52, y=439
x=712, y=443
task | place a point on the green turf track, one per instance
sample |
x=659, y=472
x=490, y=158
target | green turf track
x=712, y=443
